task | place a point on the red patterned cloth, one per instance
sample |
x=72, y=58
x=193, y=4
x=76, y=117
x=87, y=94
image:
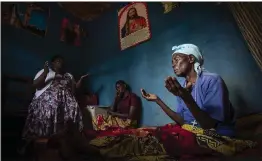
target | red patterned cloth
x=176, y=140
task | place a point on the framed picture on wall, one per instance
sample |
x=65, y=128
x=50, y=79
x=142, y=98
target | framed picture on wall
x=35, y=19
x=71, y=32
x=133, y=25
x=29, y=16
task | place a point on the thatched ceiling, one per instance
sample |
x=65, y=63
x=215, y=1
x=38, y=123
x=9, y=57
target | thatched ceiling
x=86, y=11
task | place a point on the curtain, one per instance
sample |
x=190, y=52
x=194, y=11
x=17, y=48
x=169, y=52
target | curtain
x=249, y=19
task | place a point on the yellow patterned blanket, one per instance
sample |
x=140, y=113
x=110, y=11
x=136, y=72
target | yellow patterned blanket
x=170, y=140
x=104, y=122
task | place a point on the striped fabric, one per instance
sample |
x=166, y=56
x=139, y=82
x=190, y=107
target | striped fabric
x=249, y=19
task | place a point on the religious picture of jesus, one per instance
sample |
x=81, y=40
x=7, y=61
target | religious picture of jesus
x=133, y=24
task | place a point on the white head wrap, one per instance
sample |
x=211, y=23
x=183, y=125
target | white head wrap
x=191, y=49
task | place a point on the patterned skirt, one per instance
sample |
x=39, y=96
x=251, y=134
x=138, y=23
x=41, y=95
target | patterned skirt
x=48, y=113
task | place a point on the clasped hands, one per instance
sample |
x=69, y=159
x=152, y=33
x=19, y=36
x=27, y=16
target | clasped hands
x=173, y=86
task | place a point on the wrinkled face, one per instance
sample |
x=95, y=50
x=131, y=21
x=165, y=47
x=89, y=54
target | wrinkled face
x=58, y=64
x=181, y=64
x=120, y=88
x=132, y=13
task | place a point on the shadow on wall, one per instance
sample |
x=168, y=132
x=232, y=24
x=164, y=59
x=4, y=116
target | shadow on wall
x=241, y=105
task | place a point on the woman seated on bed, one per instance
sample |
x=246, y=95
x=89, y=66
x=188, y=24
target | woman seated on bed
x=124, y=113
x=204, y=118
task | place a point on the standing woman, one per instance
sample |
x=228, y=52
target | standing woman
x=54, y=102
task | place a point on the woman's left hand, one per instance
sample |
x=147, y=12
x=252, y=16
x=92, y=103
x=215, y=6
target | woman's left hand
x=174, y=87
x=148, y=96
x=84, y=76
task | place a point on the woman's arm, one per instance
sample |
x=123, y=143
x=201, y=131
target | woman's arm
x=206, y=118
x=130, y=115
x=133, y=110
x=113, y=107
x=154, y=98
x=79, y=82
x=216, y=104
x=203, y=118
x=173, y=115
x=39, y=82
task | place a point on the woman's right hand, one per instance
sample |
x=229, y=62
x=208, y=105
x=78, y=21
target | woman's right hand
x=46, y=68
x=149, y=96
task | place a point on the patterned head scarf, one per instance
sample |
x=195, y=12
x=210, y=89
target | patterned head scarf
x=191, y=49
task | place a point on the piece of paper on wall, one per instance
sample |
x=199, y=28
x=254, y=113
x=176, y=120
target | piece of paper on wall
x=133, y=25
x=169, y=6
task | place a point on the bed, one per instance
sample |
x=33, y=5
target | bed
x=248, y=127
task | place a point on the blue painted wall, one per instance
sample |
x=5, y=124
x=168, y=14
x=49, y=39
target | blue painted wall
x=207, y=25
x=24, y=54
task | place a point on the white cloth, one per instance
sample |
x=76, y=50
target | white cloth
x=191, y=49
x=50, y=76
